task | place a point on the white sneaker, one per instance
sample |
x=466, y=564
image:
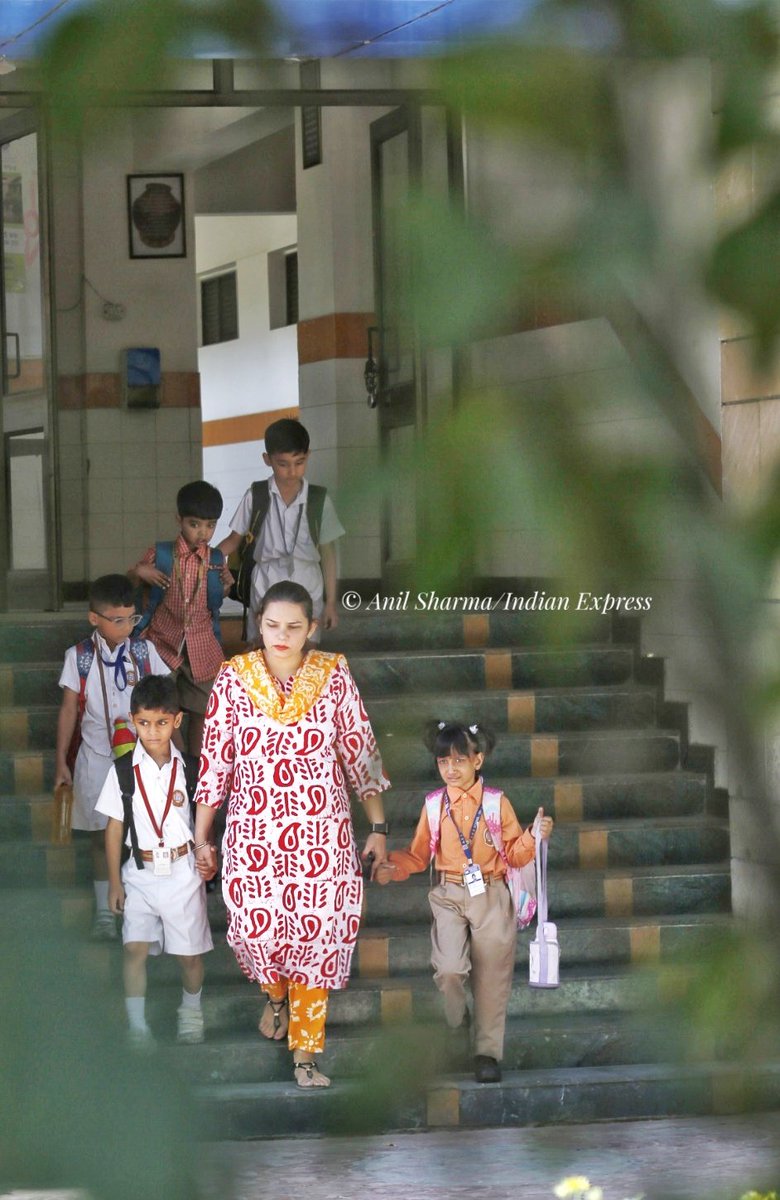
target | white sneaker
x=141, y=1040
x=190, y=1027
x=104, y=927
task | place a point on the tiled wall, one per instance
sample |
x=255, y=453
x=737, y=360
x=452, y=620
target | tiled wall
x=121, y=470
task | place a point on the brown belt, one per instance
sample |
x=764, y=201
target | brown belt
x=177, y=852
x=448, y=877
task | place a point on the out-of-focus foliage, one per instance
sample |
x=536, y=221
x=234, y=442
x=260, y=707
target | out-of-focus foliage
x=578, y=91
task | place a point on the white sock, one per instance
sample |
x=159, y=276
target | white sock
x=191, y=999
x=101, y=895
x=135, y=1006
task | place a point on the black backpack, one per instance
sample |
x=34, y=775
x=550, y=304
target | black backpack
x=261, y=502
x=124, y=773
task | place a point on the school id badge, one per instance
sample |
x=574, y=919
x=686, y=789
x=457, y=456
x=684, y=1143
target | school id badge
x=161, y=860
x=472, y=877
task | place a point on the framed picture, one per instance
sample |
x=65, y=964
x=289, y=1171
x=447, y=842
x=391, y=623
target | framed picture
x=155, y=216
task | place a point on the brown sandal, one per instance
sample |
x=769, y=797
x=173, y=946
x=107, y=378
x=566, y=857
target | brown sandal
x=277, y=1007
x=309, y=1068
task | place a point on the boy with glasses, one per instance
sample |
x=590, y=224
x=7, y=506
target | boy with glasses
x=97, y=681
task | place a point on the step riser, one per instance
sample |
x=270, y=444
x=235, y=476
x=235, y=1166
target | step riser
x=600, y=799
x=511, y=1104
x=378, y=676
x=519, y=713
x=398, y=630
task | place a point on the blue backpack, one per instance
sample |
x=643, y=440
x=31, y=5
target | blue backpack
x=163, y=560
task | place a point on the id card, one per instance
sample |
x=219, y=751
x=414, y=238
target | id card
x=161, y=860
x=472, y=877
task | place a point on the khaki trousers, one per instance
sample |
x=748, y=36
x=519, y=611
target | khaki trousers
x=474, y=936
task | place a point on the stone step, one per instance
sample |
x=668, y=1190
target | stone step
x=24, y=727
x=389, y=629
x=24, y=772
x=40, y=638
x=626, y=843
x=543, y=1042
x=27, y=679
x=559, y=1096
x=400, y=951
x=613, y=751
x=465, y=670
x=639, y=891
x=548, y=710
x=590, y=798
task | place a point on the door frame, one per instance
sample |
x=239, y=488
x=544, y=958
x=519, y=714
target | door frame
x=17, y=125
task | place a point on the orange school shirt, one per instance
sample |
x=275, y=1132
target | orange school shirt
x=519, y=846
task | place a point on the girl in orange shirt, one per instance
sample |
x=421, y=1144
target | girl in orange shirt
x=471, y=835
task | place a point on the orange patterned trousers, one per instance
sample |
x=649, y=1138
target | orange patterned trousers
x=308, y=1008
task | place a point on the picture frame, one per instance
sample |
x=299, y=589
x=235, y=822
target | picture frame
x=156, y=215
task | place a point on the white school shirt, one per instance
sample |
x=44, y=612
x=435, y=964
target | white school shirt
x=93, y=722
x=156, y=780
x=286, y=529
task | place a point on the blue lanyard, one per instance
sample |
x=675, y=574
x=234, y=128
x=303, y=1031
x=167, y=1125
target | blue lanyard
x=465, y=844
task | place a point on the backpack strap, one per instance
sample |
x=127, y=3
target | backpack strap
x=163, y=560
x=124, y=773
x=491, y=803
x=139, y=652
x=433, y=803
x=191, y=765
x=261, y=502
x=315, y=504
x=215, y=593
x=85, y=654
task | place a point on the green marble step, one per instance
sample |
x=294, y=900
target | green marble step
x=642, y=891
x=397, y=629
x=469, y=670
x=543, y=711
x=40, y=638
x=26, y=864
x=34, y=726
x=233, y=1006
x=30, y=683
x=614, y=751
x=561, y=1096
x=543, y=1042
x=626, y=842
x=399, y=951
x=593, y=797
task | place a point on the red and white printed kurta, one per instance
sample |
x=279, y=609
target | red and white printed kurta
x=291, y=874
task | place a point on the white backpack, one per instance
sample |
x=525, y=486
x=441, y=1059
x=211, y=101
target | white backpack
x=543, y=951
x=521, y=881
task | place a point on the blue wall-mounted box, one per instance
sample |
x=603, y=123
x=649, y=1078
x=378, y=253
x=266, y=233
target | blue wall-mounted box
x=142, y=377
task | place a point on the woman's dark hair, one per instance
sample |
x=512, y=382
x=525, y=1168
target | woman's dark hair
x=289, y=592
x=442, y=737
x=155, y=692
x=111, y=591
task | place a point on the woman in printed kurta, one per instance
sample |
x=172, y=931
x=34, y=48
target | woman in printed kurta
x=283, y=726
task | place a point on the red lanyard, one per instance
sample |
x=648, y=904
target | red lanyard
x=158, y=829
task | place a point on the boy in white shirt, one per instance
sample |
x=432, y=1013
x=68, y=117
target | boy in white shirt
x=290, y=525
x=159, y=890
x=97, y=682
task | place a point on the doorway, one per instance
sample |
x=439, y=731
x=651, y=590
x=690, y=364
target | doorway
x=27, y=562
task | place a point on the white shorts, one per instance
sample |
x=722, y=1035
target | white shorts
x=89, y=775
x=168, y=912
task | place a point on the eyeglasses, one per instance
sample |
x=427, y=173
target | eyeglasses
x=131, y=621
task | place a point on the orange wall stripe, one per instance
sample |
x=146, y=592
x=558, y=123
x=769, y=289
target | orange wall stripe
x=250, y=428
x=337, y=335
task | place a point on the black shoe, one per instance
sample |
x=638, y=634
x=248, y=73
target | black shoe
x=486, y=1069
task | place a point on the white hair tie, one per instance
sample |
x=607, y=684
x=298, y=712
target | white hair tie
x=441, y=725
x=473, y=728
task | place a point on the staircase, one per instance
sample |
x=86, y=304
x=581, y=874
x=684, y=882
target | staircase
x=639, y=867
